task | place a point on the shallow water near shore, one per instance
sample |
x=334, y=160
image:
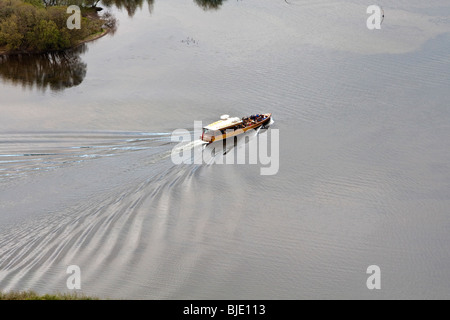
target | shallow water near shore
x=87, y=179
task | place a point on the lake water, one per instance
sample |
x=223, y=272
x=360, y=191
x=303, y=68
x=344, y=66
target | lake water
x=87, y=178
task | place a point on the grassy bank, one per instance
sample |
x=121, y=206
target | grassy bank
x=31, y=295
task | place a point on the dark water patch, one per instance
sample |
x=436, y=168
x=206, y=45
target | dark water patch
x=55, y=70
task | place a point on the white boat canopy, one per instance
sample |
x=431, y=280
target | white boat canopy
x=221, y=124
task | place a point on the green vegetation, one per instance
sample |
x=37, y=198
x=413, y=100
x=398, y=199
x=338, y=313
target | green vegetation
x=41, y=25
x=31, y=295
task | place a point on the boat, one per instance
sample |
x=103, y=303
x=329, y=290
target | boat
x=228, y=127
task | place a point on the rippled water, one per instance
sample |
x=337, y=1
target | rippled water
x=86, y=176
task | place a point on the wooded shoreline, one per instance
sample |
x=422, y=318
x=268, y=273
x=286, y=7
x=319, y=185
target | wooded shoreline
x=30, y=27
x=91, y=38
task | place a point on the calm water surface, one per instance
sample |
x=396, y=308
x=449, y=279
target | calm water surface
x=86, y=176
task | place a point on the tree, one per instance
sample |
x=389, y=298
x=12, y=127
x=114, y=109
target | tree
x=47, y=36
x=10, y=35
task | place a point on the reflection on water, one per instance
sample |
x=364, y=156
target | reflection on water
x=209, y=4
x=130, y=5
x=54, y=70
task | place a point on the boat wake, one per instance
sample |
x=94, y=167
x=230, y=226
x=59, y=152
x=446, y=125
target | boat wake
x=106, y=203
x=92, y=200
x=23, y=154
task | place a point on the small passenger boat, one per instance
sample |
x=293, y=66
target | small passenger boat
x=228, y=127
